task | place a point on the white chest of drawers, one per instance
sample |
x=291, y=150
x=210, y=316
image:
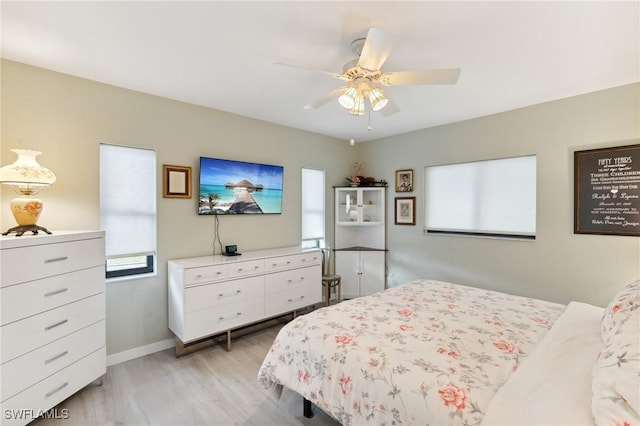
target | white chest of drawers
x=213, y=294
x=52, y=320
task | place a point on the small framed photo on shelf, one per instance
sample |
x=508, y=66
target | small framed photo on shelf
x=404, y=180
x=176, y=181
x=405, y=211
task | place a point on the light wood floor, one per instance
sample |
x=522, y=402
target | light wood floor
x=208, y=387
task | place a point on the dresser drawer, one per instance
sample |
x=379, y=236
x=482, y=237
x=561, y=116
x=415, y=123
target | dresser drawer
x=293, y=261
x=205, y=274
x=36, y=365
x=28, y=334
x=223, y=293
x=24, y=300
x=287, y=280
x=279, y=263
x=308, y=259
x=53, y=390
x=35, y=262
x=250, y=267
x=296, y=298
x=214, y=320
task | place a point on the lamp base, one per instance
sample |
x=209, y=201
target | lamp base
x=19, y=230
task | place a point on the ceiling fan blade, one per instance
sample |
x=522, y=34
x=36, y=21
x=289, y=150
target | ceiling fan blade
x=332, y=74
x=389, y=109
x=434, y=76
x=334, y=94
x=376, y=50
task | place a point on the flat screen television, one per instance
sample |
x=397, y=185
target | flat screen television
x=230, y=187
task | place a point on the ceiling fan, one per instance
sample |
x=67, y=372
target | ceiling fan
x=364, y=77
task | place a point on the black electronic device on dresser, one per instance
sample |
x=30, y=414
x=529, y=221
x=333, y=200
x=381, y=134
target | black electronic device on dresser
x=231, y=250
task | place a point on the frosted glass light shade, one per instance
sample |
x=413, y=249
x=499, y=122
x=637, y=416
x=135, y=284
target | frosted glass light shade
x=358, y=107
x=348, y=98
x=378, y=99
x=25, y=174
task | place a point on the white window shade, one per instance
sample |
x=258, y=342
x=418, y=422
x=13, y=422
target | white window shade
x=492, y=197
x=128, y=200
x=312, y=204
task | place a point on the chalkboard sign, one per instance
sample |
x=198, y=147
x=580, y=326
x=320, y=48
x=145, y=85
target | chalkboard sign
x=607, y=191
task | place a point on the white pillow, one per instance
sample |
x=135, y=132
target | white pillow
x=616, y=373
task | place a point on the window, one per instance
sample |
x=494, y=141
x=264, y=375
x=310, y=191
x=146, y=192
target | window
x=312, y=208
x=128, y=209
x=495, y=198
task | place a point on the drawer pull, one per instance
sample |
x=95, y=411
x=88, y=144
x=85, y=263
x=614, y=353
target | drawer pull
x=256, y=267
x=53, y=358
x=218, y=273
x=240, y=269
x=56, y=325
x=199, y=276
x=303, y=260
x=56, y=390
x=291, y=300
x=56, y=259
x=53, y=293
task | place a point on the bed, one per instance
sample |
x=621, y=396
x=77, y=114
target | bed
x=430, y=352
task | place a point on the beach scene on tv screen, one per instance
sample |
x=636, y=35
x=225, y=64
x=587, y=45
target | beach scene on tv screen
x=235, y=187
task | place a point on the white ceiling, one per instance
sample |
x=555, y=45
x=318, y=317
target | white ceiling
x=222, y=54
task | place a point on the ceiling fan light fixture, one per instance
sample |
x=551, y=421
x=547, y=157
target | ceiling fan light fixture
x=348, y=98
x=358, y=107
x=378, y=99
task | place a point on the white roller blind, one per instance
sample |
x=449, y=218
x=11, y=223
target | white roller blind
x=312, y=204
x=482, y=197
x=128, y=200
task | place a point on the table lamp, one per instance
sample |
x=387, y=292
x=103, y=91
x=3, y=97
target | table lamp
x=27, y=178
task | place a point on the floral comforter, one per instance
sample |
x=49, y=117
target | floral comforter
x=426, y=352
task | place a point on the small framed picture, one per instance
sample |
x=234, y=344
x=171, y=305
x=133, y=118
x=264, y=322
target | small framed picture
x=405, y=211
x=176, y=181
x=404, y=180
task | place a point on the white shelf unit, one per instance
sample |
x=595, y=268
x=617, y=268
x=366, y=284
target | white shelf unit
x=360, y=239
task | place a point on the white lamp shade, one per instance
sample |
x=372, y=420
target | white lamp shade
x=26, y=173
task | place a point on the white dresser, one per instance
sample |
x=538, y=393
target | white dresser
x=213, y=294
x=52, y=320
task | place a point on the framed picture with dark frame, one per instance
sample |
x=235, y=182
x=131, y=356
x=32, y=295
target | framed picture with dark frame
x=607, y=191
x=176, y=181
x=404, y=180
x=405, y=211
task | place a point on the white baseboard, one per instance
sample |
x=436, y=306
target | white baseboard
x=140, y=351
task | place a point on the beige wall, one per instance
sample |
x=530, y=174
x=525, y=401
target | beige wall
x=66, y=117
x=558, y=265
